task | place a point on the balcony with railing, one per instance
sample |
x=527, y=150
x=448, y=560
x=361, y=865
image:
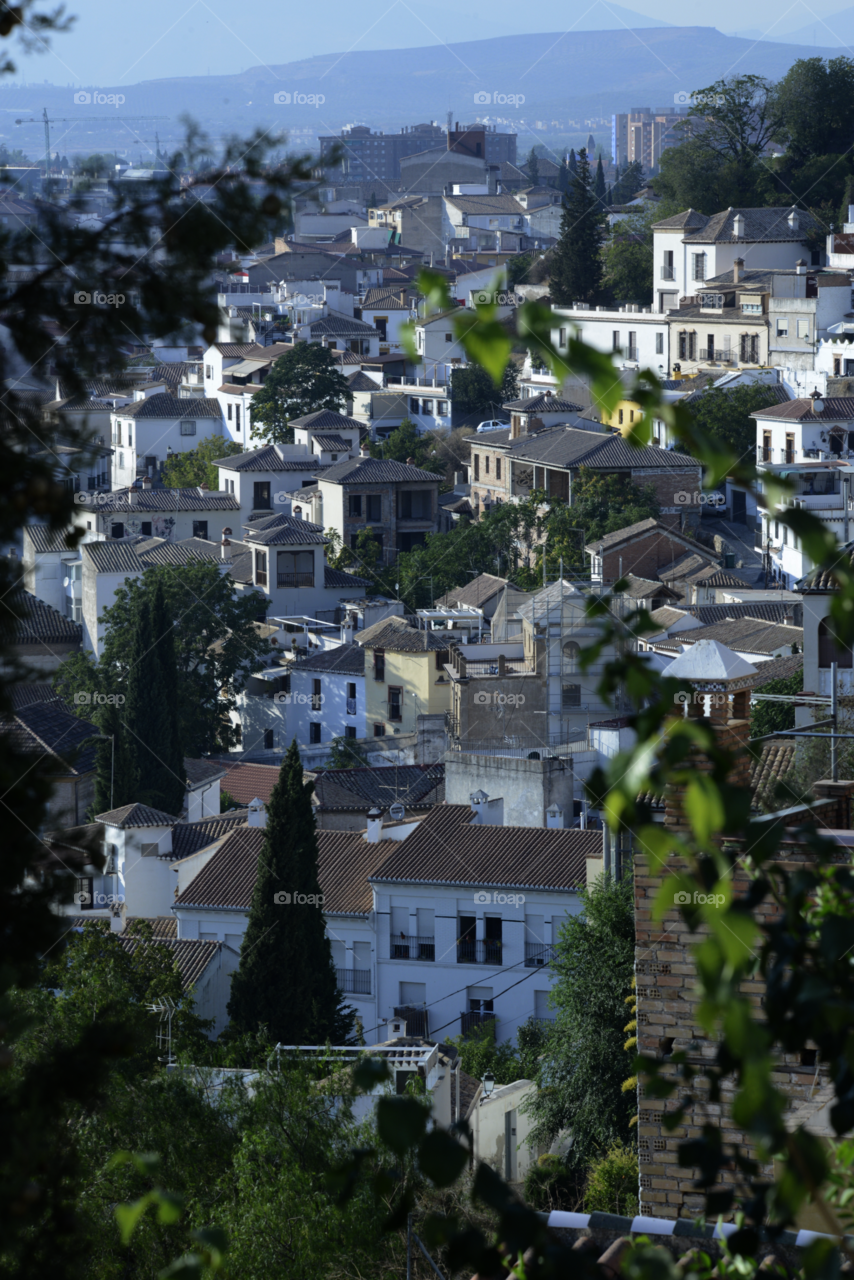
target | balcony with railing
x=411, y=947
x=721, y=356
x=536, y=954
x=295, y=579
x=632, y=354
x=479, y=951
x=472, y=1021
x=668, y=273
x=355, y=982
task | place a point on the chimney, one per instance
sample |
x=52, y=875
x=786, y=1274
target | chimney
x=737, y=269
x=801, y=267
x=793, y=219
x=738, y=226
x=554, y=818
x=479, y=800
x=146, y=482
x=204, y=488
x=373, y=831
x=225, y=548
x=365, y=450
x=257, y=814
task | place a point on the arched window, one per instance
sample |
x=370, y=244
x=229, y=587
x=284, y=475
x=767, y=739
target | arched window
x=571, y=656
x=829, y=648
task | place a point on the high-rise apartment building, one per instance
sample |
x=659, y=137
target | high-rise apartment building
x=642, y=134
x=366, y=156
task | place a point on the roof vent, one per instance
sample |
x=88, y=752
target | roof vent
x=738, y=226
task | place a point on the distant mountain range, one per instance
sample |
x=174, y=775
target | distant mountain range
x=520, y=78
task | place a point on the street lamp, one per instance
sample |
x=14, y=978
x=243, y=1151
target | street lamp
x=488, y=1084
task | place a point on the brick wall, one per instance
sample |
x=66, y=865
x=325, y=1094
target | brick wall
x=667, y=999
x=677, y=492
x=643, y=556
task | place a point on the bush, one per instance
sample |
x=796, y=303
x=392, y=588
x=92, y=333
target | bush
x=550, y=1185
x=612, y=1183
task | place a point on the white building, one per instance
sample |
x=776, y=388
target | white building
x=437, y=345
x=173, y=514
x=448, y=922
x=148, y=430
x=635, y=336
x=690, y=248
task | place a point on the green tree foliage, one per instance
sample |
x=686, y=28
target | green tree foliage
x=599, y=182
x=628, y=258
x=171, y=752
x=628, y=183
x=286, y=981
x=724, y=417
x=575, y=263
x=194, y=468
x=474, y=392
x=533, y=167
x=771, y=717
x=346, y=753
x=479, y=1053
x=815, y=103
x=601, y=503
x=405, y=443
x=216, y=646
x=300, y=382
x=148, y=716
x=612, y=1182
x=585, y=1064
x=227, y=801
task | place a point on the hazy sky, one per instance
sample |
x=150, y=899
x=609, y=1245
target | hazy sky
x=120, y=43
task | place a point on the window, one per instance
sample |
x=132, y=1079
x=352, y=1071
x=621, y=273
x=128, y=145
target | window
x=804, y=329
x=295, y=568
x=570, y=696
x=449, y=337
x=417, y=504
x=687, y=345
x=571, y=656
x=443, y=408
x=477, y=466
x=269, y=741
x=313, y=731
x=485, y=467
x=118, y=437
x=379, y=730
x=316, y=695
x=349, y=731
x=615, y=340
x=121, y=462
x=261, y=495
x=355, y=506
x=497, y=468
x=85, y=891
x=237, y=417
x=830, y=650
x=713, y=300
x=228, y=415
x=145, y=528
x=749, y=348
x=782, y=326
x=374, y=507
x=790, y=446
x=698, y=266
x=379, y=664
x=766, y=446
x=659, y=344
x=621, y=417
x=117, y=530
x=753, y=308
x=414, y=404
x=188, y=428
x=260, y=568
x=200, y=529
x=395, y=702
x=130, y=434
x=208, y=371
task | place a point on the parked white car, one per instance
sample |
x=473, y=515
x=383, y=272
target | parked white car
x=493, y=425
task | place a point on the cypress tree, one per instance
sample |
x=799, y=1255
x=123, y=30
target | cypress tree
x=114, y=784
x=575, y=273
x=573, y=162
x=174, y=773
x=599, y=185
x=286, y=980
x=563, y=177
x=533, y=167
x=147, y=720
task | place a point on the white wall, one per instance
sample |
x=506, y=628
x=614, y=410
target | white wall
x=332, y=716
x=598, y=328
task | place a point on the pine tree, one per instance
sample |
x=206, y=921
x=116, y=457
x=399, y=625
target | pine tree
x=609, y=197
x=564, y=178
x=575, y=273
x=573, y=162
x=285, y=980
x=533, y=166
x=174, y=773
x=599, y=185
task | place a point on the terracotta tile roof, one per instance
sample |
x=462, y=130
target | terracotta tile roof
x=746, y=634
x=633, y=531
x=835, y=408
x=344, y=659
x=247, y=782
x=777, y=758
x=134, y=500
x=474, y=593
x=327, y=420
x=46, y=539
x=376, y=471
x=189, y=837
x=286, y=530
x=49, y=730
x=358, y=789
x=446, y=848
x=397, y=635
x=23, y=694
x=136, y=815
x=164, y=405
x=768, y=225
x=198, y=771
x=190, y=956
x=36, y=622
x=345, y=860
x=782, y=668
x=767, y=610
x=545, y=403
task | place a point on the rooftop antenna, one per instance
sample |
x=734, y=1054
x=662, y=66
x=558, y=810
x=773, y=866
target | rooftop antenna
x=163, y=1039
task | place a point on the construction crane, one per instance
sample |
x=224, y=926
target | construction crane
x=49, y=120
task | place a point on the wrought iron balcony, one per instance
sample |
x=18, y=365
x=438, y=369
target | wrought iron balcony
x=409, y=947
x=471, y=1021
x=668, y=273
x=355, y=981
x=536, y=954
x=479, y=951
x=295, y=579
